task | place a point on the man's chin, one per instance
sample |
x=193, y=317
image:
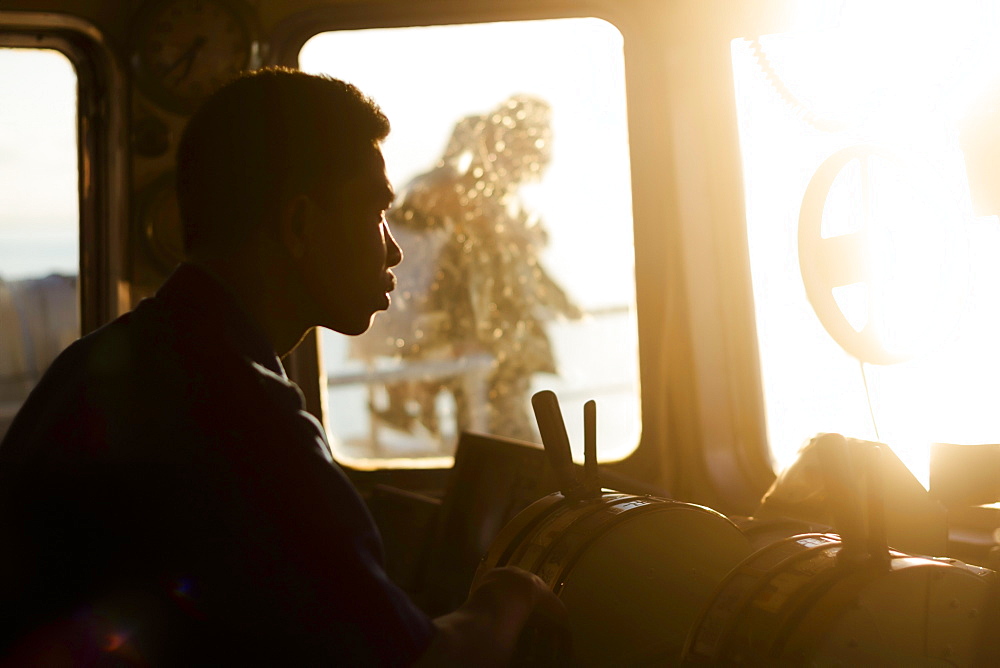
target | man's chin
x=356, y=327
x=359, y=325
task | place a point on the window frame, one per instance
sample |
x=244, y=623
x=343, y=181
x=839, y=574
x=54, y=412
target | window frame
x=287, y=40
x=101, y=158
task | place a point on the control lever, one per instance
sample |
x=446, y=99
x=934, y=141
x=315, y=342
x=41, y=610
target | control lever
x=878, y=541
x=843, y=495
x=860, y=521
x=556, y=442
x=590, y=479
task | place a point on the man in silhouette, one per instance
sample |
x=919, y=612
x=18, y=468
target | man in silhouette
x=164, y=496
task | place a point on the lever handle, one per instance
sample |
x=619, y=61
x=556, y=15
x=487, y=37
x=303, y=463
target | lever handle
x=590, y=477
x=844, y=496
x=878, y=542
x=554, y=438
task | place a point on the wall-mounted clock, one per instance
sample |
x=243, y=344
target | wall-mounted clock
x=159, y=223
x=182, y=50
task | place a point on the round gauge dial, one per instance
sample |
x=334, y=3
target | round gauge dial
x=159, y=223
x=184, y=49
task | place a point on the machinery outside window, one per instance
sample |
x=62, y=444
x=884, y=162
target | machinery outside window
x=39, y=218
x=876, y=287
x=509, y=155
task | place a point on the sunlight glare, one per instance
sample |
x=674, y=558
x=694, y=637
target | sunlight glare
x=892, y=79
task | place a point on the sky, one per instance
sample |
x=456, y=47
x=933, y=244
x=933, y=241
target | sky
x=39, y=207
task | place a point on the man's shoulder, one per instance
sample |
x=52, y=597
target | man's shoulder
x=143, y=366
x=134, y=345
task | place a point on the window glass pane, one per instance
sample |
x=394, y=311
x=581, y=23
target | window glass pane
x=39, y=218
x=876, y=289
x=509, y=153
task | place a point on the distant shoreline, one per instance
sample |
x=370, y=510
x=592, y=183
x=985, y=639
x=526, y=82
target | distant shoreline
x=35, y=258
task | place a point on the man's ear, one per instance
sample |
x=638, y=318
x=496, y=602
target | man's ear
x=293, y=231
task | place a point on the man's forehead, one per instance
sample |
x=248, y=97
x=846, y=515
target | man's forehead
x=379, y=174
x=371, y=181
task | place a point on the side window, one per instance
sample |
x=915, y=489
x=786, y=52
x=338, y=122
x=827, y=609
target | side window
x=514, y=215
x=39, y=218
x=875, y=286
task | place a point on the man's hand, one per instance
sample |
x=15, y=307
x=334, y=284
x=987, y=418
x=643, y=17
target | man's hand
x=484, y=631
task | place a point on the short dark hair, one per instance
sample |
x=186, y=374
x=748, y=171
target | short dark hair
x=262, y=138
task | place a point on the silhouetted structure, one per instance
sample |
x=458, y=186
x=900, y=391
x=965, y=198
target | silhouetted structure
x=473, y=280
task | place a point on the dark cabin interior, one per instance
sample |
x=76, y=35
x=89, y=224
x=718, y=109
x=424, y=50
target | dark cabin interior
x=758, y=235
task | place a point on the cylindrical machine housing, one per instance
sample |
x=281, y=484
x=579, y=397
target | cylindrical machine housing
x=798, y=602
x=633, y=571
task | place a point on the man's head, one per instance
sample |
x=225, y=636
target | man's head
x=285, y=166
x=261, y=140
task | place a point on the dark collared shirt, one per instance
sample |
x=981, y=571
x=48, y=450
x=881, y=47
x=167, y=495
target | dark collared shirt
x=164, y=497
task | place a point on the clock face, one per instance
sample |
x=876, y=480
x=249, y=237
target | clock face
x=160, y=223
x=185, y=49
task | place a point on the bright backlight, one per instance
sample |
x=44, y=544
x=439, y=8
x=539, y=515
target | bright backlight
x=869, y=268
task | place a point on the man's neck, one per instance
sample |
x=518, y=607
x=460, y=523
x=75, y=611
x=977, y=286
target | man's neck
x=262, y=296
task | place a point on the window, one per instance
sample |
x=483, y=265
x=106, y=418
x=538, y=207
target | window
x=876, y=289
x=509, y=153
x=39, y=218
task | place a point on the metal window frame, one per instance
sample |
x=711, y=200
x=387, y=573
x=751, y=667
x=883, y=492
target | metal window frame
x=102, y=152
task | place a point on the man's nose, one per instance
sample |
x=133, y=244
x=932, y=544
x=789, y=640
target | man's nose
x=394, y=254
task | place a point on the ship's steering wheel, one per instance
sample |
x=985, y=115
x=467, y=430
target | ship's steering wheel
x=827, y=263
